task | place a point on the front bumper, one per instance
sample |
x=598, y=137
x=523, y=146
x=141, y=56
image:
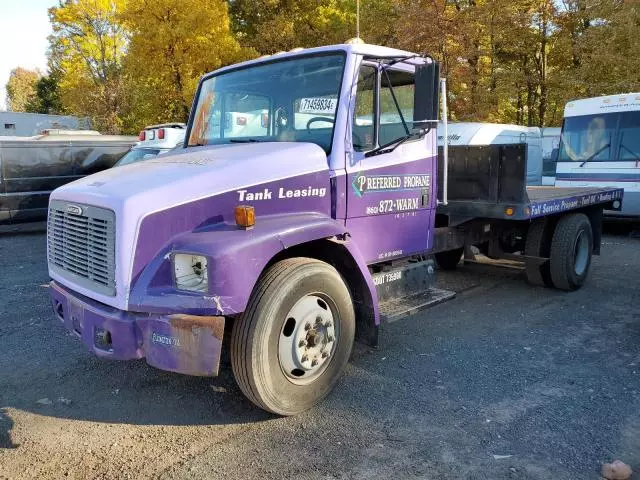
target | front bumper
x=179, y=343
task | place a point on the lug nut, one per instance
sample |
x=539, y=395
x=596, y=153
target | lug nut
x=325, y=354
x=302, y=343
x=330, y=338
x=328, y=324
x=314, y=362
x=318, y=320
x=307, y=326
x=304, y=358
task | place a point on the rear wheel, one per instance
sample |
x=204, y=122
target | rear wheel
x=571, y=250
x=293, y=342
x=538, y=244
x=450, y=259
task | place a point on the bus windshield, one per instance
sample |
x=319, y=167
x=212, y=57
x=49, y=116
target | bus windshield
x=587, y=138
x=601, y=138
x=291, y=100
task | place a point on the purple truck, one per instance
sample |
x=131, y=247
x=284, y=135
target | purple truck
x=310, y=203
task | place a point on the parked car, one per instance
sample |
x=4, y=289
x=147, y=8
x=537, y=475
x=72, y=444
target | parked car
x=155, y=140
x=32, y=167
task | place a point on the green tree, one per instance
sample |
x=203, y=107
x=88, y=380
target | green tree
x=47, y=97
x=21, y=88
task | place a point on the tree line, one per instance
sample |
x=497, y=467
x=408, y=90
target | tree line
x=126, y=64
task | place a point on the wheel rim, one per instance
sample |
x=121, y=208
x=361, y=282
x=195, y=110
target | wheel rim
x=308, y=338
x=581, y=253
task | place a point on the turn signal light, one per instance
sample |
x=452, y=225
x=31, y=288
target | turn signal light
x=141, y=136
x=245, y=216
x=161, y=134
x=508, y=211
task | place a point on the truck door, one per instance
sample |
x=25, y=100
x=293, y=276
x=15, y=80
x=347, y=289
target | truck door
x=390, y=194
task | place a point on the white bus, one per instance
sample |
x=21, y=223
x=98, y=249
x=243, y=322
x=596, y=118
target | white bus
x=600, y=147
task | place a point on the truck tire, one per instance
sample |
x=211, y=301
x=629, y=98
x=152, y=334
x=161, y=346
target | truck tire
x=293, y=342
x=450, y=259
x=571, y=249
x=538, y=244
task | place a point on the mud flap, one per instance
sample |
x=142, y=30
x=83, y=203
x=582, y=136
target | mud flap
x=185, y=344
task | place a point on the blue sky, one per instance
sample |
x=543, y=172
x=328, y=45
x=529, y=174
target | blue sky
x=24, y=28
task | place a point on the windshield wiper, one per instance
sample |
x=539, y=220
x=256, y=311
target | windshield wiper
x=393, y=144
x=244, y=140
x=635, y=155
x=591, y=157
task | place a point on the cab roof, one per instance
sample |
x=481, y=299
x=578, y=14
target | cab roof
x=365, y=49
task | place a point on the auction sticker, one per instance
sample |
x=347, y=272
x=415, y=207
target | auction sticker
x=318, y=105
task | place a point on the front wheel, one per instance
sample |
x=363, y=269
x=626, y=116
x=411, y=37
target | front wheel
x=293, y=342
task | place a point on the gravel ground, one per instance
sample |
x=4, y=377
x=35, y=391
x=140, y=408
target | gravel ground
x=504, y=381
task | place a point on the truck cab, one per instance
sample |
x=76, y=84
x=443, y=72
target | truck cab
x=302, y=212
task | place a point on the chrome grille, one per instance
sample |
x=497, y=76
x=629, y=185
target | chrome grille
x=81, y=245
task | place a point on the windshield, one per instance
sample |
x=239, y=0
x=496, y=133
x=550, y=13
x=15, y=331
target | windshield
x=587, y=138
x=630, y=136
x=292, y=100
x=137, y=155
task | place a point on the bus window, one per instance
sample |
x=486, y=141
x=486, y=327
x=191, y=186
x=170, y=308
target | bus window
x=587, y=138
x=629, y=136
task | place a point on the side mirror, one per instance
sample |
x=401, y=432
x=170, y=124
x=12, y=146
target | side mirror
x=554, y=155
x=426, y=96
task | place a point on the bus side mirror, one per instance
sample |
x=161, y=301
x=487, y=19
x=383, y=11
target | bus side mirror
x=554, y=155
x=426, y=95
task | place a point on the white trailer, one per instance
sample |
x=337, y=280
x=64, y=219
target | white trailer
x=476, y=133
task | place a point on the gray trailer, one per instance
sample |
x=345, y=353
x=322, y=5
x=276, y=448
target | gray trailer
x=21, y=124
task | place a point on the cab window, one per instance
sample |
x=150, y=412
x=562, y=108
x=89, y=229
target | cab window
x=364, y=113
x=391, y=126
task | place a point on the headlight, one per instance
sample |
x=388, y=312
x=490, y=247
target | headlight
x=190, y=272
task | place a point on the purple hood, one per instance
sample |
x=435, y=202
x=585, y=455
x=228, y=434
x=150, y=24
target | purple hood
x=138, y=190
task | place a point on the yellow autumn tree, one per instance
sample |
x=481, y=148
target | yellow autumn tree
x=87, y=47
x=172, y=45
